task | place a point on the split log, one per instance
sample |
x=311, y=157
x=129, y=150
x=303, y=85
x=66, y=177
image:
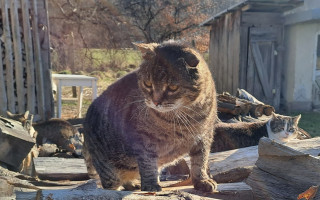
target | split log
x=232, y=105
x=52, y=168
x=228, y=108
x=15, y=142
x=282, y=172
x=243, y=94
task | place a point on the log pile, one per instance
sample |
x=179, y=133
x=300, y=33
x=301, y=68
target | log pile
x=244, y=104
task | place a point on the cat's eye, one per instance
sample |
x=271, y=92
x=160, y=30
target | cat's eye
x=173, y=88
x=148, y=84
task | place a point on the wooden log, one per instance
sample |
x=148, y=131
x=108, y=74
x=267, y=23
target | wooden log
x=268, y=110
x=53, y=168
x=243, y=94
x=15, y=142
x=256, y=110
x=245, y=107
x=283, y=172
x=225, y=97
x=228, y=108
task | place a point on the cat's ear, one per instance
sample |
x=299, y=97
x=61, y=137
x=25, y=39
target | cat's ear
x=26, y=114
x=297, y=118
x=147, y=50
x=274, y=115
x=191, y=59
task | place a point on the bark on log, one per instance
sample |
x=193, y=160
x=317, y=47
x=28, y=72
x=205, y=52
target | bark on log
x=283, y=172
x=232, y=105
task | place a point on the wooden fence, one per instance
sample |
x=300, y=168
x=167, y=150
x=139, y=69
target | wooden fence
x=25, y=79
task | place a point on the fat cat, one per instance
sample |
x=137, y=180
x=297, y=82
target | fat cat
x=56, y=131
x=243, y=134
x=152, y=117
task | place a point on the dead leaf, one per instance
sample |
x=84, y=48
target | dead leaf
x=309, y=194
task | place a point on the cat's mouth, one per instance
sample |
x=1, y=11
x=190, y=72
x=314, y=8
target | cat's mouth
x=163, y=108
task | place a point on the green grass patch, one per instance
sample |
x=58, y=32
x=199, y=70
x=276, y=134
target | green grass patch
x=310, y=122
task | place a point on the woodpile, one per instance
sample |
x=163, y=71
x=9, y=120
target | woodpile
x=244, y=104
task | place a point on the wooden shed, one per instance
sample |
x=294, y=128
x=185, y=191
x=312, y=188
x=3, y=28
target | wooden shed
x=25, y=79
x=246, y=48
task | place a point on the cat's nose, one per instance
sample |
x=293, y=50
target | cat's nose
x=156, y=103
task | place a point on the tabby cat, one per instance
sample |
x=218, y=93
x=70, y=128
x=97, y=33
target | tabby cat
x=57, y=131
x=152, y=117
x=243, y=134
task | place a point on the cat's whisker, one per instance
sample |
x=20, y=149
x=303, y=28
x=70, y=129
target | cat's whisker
x=192, y=118
x=128, y=104
x=186, y=124
x=201, y=114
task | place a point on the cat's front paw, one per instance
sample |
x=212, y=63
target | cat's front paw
x=207, y=185
x=151, y=187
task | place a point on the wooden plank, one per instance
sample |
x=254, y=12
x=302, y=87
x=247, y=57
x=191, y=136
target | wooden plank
x=261, y=18
x=261, y=70
x=3, y=94
x=38, y=62
x=45, y=56
x=236, y=53
x=18, y=66
x=230, y=48
x=250, y=70
x=8, y=57
x=244, y=31
x=29, y=57
x=53, y=168
x=224, y=53
x=219, y=50
x=283, y=172
x=278, y=68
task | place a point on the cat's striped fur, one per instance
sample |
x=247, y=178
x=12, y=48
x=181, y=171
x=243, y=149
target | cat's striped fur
x=152, y=117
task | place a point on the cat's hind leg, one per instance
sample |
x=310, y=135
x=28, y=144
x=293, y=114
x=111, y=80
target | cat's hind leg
x=108, y=175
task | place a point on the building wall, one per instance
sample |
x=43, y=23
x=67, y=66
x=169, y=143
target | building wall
x=300, y=46
x=299, y=64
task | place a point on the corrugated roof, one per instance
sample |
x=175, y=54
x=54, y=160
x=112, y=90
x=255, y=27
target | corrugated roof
x=257, y=6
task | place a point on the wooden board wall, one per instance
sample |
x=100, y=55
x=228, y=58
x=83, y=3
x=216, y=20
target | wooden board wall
x=25, y=64
x=225, y=52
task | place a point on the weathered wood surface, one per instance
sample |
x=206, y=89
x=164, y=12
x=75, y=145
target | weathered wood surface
x=15, y=142
x=231, y=191
x=26, y=58
x=283, y=172
x=53, y=168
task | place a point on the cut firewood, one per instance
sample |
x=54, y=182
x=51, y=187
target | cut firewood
x=229, y=108
x=238, y=106
x=283, y=172
x=243, y=94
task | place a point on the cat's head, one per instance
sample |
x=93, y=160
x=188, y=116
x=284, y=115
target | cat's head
x=283, y=128
x=18, y=117
x=169, y=75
